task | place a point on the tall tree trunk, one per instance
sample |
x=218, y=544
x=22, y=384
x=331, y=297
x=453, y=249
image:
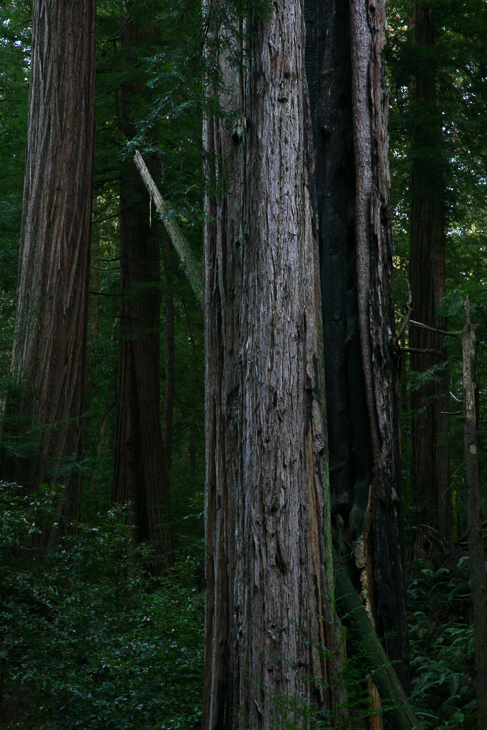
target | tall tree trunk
x=266, y=583
x=475, y=536
x=345, y=66
x=429, y=403
x=139, y=472
x=49, y=354
x=384, y=541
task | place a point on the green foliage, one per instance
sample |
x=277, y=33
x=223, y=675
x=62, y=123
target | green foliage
x=14, y=91
x=87, y=639
x=441, y=641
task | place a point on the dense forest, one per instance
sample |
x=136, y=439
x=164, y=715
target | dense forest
x=243, y=295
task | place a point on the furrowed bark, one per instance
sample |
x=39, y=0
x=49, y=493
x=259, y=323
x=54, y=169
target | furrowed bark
x=266, y=583
x=49, y=353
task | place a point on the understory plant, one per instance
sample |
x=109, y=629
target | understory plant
x=88, y=639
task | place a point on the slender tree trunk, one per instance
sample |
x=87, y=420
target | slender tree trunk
x=384, y=541
x=170, y=354
x=139, y=472
x=475, y=536
x=345, y=68
x=429, y=403
x=49, y=354
x=266, y=583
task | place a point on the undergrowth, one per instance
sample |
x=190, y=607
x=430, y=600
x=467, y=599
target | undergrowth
x=441, y=644
x=87, y=639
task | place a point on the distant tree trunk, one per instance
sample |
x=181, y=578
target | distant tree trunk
x=170, y=353
x=429, y=403
x=139, y=472
x=49, y=354
x=266, y=582
x=345, y=66
x=475, y=536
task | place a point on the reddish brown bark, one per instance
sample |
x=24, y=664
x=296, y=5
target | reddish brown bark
x=429, y=403
x=49, y=354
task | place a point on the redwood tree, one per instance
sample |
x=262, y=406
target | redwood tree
x=46, y=406
x=263, y=400
x=139, y=472
x=267, y=589
x=429, y=401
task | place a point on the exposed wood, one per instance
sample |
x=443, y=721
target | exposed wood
x=346, y=39
x=192, y=270
x=384, y=540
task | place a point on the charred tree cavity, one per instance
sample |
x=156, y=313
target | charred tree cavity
x=329, y=78
x=345, y=69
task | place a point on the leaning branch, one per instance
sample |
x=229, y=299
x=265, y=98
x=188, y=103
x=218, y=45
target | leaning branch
x=352, y=613
x=188, y=264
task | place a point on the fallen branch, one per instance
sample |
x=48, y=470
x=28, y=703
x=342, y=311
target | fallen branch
x=399, y=714
x=192, y=270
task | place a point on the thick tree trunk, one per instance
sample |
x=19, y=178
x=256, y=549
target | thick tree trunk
x=345, y=66
x=429, y=403
x=266, y=583
x=475, y=536
x=139, y=472
x=49, y=354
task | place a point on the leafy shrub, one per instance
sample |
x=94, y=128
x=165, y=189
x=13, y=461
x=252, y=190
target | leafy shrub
x=442, y=651
x=87, y=640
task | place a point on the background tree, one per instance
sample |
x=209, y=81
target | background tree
x=139, y=472
x=429, y=402
x=46, y=406
x=438, y=81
